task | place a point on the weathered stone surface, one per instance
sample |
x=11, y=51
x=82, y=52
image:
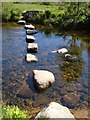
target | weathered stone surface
x=30, y=38
x=21, y=22
x=31, y=58
x=55, y=110
x=62, y=50
x=70, y=57
x=31, y=32
x=43, y=78
x=32, y=47
x=29, y=26
x=70, y=100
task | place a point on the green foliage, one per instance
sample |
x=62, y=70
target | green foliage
x=47, y=14
x=6, y=11
x=13, y=112
x=15, y=14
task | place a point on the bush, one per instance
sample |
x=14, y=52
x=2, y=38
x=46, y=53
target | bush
x=13, y=112
x=47, y=13
x=15, y=14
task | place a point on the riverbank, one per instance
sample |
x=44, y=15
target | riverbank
x=64, y=16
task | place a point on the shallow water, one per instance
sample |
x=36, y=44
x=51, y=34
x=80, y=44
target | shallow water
x=17, y=83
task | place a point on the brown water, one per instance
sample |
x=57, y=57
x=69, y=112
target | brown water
x=71, y=78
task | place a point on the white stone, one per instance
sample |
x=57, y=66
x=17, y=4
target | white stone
x=33, y=47
x=30, y=38
x=29, y=26
x=43, y=78
x=55, y=110
x=68, y=55
x=21, y=22
x=30, y=58
x=62, y=50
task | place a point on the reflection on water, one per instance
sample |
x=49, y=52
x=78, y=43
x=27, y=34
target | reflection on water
x=18, y=88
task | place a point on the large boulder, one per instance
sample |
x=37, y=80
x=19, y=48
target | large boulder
x=43, y=79
x=55, y=110
x=30, y=38
x=32, y=47
x=31, y=58
x=62, y=51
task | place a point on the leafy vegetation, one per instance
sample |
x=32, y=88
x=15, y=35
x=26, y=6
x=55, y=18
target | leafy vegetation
x=13, y=112
x=63, y=15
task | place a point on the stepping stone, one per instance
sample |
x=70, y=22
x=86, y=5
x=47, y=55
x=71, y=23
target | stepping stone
x=71, y=58
x=62, y=50
x=31, y=58
x=32, y=47
x=31, y=32
x=29, y=26
x=55, y=110
x=21, y=22
x=43, y=79
x=30, y=38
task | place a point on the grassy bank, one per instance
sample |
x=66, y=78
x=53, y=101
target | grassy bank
x=63, y=15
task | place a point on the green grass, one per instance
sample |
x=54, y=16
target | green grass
x=34, y=6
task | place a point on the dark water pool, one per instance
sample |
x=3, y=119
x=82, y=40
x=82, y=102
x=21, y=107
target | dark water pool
x=71, y=77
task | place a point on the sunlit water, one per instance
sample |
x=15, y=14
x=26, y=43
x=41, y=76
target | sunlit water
x=17, y=83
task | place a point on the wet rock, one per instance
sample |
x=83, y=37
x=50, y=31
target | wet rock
x=21, y=22
x=71, y=58
x=30, y=38
x=25, y=91
x=40, y=102
x=32, y=47
x=55, y=110
x=63, y=91
x=70, y=100
x=62, y=50
x=29, y=26
x=43, y=79
x=31, y=58
x=31, y=32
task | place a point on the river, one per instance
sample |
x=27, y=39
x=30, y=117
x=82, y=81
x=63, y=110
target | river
x=71, y=78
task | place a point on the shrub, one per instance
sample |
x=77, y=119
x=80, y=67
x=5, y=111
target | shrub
x=13, y=112
x=15, y=14
x=47, y=13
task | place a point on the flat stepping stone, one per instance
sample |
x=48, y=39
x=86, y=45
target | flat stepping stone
x=31, y=58
x=43, y=79
x=55, y=110
x=29, y=26
x=32, y=47
x=21, y=22
x=62, y=51
x=30, y=38
x=31, y=32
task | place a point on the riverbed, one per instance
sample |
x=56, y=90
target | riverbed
x=71, y=78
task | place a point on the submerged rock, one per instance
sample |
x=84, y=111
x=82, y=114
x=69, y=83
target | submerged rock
x=31, y=58
x=55, y=110
x=43, y=79
x=32, y=47
x=70, y=100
